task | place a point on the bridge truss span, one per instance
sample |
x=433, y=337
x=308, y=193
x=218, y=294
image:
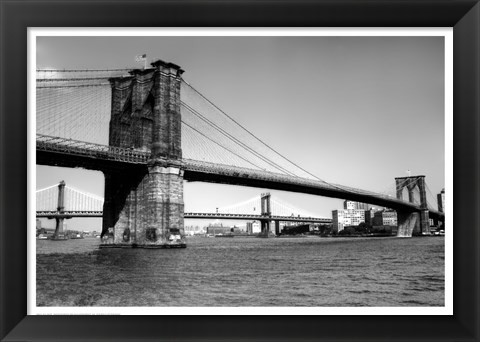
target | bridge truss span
x=227, y=216
x=53, y=146
x=68, y=214
x=204, y=171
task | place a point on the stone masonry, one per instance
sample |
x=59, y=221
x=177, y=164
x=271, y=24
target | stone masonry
x=413, y=223
x=144, y=207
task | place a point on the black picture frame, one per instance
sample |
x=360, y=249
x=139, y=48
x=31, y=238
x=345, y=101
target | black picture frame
x=17, y=16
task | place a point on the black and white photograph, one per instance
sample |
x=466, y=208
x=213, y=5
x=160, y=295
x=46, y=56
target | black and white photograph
x=268, y=171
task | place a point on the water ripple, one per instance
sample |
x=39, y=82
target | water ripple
x=244, y=272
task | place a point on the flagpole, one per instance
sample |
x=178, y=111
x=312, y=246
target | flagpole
x=143, y=58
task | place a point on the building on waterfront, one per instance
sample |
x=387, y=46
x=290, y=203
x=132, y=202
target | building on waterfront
x=194, y=230
x=355, y=213
x=215, y=229
x=347, y=217
x=369, y=215
x=338, y=220
x=46, y=232
x=220, y=229
x=441, y=201
x=348, y=205
x=249, y=228
x=386, y=217
x=253, y=227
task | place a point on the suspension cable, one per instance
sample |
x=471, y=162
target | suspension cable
x=235, y=140
x=246, y=130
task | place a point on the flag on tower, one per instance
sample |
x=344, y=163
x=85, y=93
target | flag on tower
x=141, y=58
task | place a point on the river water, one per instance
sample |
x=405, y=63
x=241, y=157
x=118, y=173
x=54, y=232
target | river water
x=244, y=271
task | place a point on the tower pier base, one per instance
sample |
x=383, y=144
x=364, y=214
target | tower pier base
x=146, y=212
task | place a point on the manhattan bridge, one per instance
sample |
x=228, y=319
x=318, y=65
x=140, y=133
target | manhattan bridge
x=148, y=131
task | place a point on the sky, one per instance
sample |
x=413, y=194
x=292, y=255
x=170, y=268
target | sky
x=357, y=111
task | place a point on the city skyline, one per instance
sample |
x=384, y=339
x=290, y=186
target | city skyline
x=285, y=89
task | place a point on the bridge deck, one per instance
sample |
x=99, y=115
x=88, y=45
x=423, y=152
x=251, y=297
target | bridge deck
x=70, y=214
x=71, y=153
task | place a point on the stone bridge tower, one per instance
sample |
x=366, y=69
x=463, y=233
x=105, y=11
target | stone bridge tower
x=144, y=204
x=416, y=223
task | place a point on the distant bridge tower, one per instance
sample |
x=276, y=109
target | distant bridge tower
x=265, y=204
x=413, y=222
x=59, y=228
x=441, y=201
x=265, y=211
x=144, y=205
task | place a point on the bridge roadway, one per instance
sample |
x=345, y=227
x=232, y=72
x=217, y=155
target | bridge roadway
x=70, y=214
x=55, y=151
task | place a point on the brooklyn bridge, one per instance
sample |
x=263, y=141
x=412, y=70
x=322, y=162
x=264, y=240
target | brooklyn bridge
x=148, y=131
